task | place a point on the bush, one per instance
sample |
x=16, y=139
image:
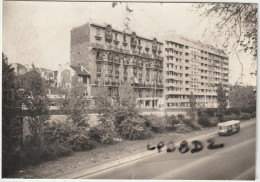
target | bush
x=156, y=123
x=133, y=128
x=250, y=109
x=171, y=122
x=230, y=111
x=181, y=116
x=213, y=121
x=182, y=128
x=211, y=111
x=245, y=116
x=11, y=161
x=253, y=115
x=204, y=121
x=102, y=134
x=54, y=151
x=231, y=117
x=68, y=133
x=191, y=124
x=81, y=141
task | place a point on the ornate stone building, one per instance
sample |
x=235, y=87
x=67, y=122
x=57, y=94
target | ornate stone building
x=113, y=57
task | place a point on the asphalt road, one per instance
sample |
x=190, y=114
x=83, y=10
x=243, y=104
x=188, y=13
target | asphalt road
x=236, y=160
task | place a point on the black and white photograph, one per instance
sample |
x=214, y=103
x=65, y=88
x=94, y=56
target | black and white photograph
x=129, y=90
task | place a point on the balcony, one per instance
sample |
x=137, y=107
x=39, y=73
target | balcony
x=140, y=64
x=159, y=86
x=110, y=60
x=157, y=57
x=148, y=65
x=110, y=83
x=117, y=61
x=126, y=62
x=97, y=46
x=98, y=37
x=99, y=59
x=135, y=52
x=110, y=72
x=116, y=42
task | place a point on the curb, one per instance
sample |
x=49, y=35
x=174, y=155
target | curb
x=129, y=159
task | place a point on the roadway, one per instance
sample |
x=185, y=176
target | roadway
x=236, y=160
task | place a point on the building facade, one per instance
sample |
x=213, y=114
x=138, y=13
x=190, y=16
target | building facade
x=113, y=57
x=67, y=74
x=191, y=66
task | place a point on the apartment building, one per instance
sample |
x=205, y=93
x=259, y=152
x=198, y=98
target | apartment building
x=112, y=57
x=191, y=66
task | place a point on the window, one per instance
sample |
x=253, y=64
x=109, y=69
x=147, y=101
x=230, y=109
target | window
x=98, y=32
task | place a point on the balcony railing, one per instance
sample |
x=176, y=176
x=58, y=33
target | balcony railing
x=158, y=86
x=117, y=61
x=148, y=65
x=109, y=83
x=98, y=46
x=126, y=62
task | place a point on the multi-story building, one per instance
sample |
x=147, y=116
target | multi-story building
x=113, y=57
x=191, y=66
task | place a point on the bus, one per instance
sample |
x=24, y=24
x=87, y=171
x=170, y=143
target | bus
x=229, y=127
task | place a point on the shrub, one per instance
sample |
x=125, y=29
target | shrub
x=102, y=134
x=156, y=123
x=204, y=120
x=253, y=115
x=171, y=122
x=231, y=117
x=55, y=150
x=200, y=112
x=250, y=109
x=32, y=155
x=182, y=128
x=181, y=116
x=245, y=116
x=211, y=111
x=81, y=141
x=213, y=121
x=68, y=134
x=191, y=124
x=230, y=111
x=133, y=128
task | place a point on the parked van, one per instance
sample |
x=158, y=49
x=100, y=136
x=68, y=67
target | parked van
x=229, y=127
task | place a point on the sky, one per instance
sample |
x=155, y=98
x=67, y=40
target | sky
x=39, y=32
